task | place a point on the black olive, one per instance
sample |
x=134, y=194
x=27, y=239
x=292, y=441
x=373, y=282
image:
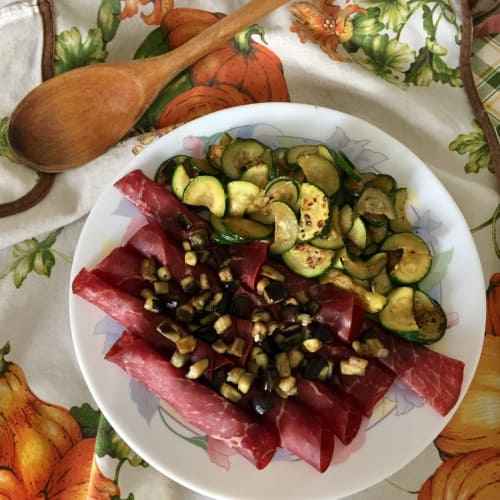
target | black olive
x=262, y=403
x=313, y=367
x=289, y=328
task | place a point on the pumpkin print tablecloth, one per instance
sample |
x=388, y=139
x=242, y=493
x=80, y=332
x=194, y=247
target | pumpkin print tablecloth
x=425, y=71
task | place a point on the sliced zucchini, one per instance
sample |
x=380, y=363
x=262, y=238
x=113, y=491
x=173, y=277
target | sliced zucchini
x=357, y=234
x=332, y=238
x=371, y=302
x=214, y=155
x=378, y=233
x=346, y=218
x=364, y=269
x=279, y=164
x=413, y=257
x=286, y=227
x=180, y=180
x=257, y=174
x=321, y=172
x=375, y=206
x=386, y=183
x=356, y=187
x=397, y=316
x=343, y=162
x=430, y=318
x=414, y=315
x=308, y=261
x=240, y=196
x=247, y=228
x=314, y=212
x=202, y=166
x=381, y=283
x=307, y=149
x=284, y=189
x=221, y=233
x=165, y=171
x=206, y=191
x=240, y=155
x=401, y=224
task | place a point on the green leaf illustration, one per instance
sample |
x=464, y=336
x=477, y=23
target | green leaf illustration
x=72, y=52
x=32, y=255
x=393, y=13
x=108, y=442
x=387, y=58
x=476, y=146
x=107, y=20
x=4, y=145
x=87, y=418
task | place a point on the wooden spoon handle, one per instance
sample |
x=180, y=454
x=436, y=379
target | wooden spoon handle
x=212, y=37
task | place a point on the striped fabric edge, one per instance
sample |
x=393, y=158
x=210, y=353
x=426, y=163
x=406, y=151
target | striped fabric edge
x=472, y=92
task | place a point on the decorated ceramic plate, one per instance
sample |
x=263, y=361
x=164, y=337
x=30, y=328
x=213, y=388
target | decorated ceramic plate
x=401, y=426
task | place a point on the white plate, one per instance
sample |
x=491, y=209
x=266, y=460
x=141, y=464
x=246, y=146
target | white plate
x=400, y=428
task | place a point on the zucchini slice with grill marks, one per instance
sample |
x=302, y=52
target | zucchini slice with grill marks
x=375, y=206
x=284, y=189
x=180, y=180
x=314, y=212
x=401, y=224
x=308, y=261
x=240, y=196
x=294, y=152
x=413, y=315
x=206, y=191
x=247, y=229
x=240, y=155
x=321, y=172
x=413, y=257
x=286, y=227
x=397, y=316
x=364, y=269
x=332, y=238
x=371, y=302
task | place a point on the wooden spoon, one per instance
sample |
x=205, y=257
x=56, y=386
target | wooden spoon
x=73, y=118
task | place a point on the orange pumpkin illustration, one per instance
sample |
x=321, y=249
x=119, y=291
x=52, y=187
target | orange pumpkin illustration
x=474, y=475
x=199, y=101
x=77, y=477
x=476, y=424
x=493, y=306
x=247, y=65
x=34, y=434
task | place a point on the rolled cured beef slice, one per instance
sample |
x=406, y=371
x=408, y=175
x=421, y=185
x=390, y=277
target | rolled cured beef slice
x=302, y=432
x=337, y=408
x=124, y=308
x=435, y=377
x=197, y=404
x=159, y=204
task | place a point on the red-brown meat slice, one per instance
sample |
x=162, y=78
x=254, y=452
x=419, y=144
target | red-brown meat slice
x=158, y=203
x=124, y=308
x=302, y=432
x=338, y=408
x=435, y=377
x=197, y=404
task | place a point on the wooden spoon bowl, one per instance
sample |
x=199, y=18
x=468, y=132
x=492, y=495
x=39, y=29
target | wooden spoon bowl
x=74, y=117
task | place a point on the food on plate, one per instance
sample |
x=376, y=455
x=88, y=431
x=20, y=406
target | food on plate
x=272, y=293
